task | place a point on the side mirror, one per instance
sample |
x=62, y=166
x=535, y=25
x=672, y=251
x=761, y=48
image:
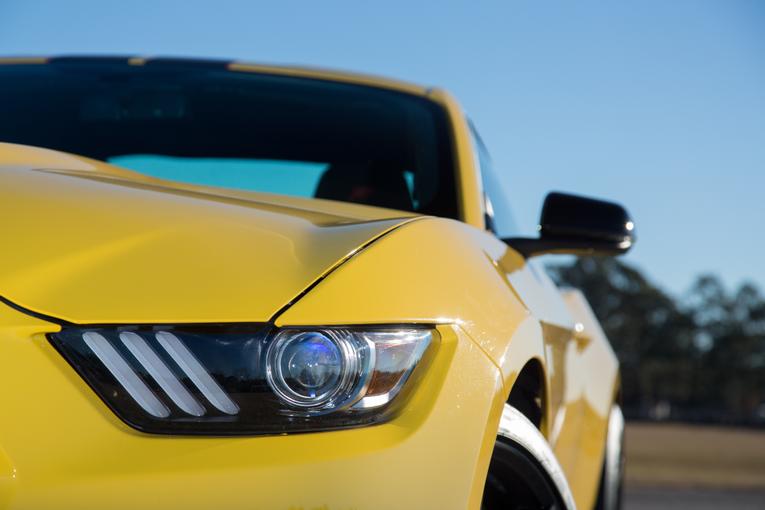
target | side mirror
x=577, y=225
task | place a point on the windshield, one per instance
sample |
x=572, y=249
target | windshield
x=203, y=124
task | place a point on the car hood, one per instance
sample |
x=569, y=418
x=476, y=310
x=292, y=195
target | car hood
x=88, y=243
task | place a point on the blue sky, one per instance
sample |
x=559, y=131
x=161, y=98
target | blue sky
x=660, y=105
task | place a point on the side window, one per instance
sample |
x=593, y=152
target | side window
x=499, y=217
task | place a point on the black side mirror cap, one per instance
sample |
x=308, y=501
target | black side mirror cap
x=576, y=225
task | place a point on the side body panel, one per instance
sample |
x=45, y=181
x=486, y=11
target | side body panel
x=593, y=391
x=442, y=271
x=580, y=367
x=432, y=271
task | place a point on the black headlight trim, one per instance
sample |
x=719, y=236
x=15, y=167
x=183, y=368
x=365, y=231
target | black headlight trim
x=232, y=356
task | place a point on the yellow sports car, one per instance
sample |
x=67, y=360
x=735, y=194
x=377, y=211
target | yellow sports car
x=235, y=286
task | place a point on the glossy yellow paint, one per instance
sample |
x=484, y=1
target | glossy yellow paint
x=93, y=243
x=464, y=277
x=100, y=249
x=593, y=386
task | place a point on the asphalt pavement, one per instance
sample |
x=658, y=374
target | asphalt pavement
x=659, y=498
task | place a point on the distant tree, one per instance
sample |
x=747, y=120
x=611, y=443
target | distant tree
x=705, y=354
x=652, y=337
x=731, y=330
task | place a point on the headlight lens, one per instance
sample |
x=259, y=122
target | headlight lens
x=307, y=369
x=245, y=379
x=317, y=370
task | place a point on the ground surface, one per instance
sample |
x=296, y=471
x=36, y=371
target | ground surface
x=647, y=498
x=684, y=466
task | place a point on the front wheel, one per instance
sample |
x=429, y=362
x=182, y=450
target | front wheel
x=524, y=472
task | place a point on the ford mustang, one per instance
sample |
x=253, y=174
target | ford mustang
x=227, y=285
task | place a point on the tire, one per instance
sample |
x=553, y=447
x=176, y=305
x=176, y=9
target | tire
x=523, y=472
x=515, y=481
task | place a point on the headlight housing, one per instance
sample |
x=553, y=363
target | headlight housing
x=245, y=379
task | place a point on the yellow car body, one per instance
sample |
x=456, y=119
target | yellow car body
x=85, y=242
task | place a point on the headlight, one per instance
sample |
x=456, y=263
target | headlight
x=245, y=379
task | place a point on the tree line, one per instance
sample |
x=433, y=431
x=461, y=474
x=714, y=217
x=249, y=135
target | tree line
x=699, y=357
